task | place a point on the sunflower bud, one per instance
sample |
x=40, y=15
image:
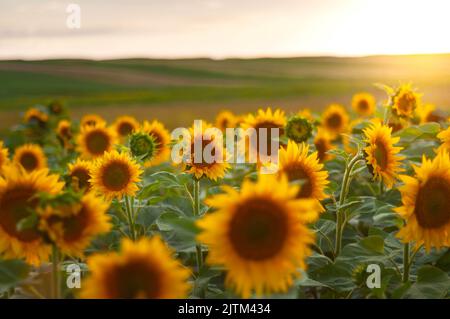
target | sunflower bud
x=298, y=129
x=142, y=145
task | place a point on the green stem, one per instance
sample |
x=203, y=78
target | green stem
x=340, y=217
x=406, y=263
x=129, y=210
x=56, y=278
x=198, y=247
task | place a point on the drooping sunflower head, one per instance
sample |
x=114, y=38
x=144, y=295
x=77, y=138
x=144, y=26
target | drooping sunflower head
x=64, y=129
x=125, y=125
x=225, y=119
x=428, y=113
x=4, y=156
x=92, y=120
x=425, y=205
x=322, y=142
x=259, y=234
x=144, y=269
x=162, y=140
x=79, y=175
x=335, y=120
x=18, y=201
x=31, y=157
x=444, y=136
x=56, y=107
x=405, y=101
x=364, y=104
x=299, y=166
x=201, y=163
x=72, y=226
x=115, y=175
x=298, y=129
x=35, y=116
x=382, y=156
x=94, y=141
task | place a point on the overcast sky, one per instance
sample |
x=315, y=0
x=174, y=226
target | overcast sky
x=223, y=28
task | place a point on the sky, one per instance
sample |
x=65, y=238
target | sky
x=35, y=29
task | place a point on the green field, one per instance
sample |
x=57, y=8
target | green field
x=177, y=91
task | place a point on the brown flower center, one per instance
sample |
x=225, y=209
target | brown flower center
x=137, y=278
x=29, y=161
x=296, y=172
x=203, y=163
x=322, y=149
x=116, y=176
x=81, y=177
x=432, y=207
x=266, y=136
x=334, y=121
x=158, y=141
x=73, y=225
x=363, y=105
x=97, y=142
x=16, y=204
x=125, y=128
x=381, y=155
x=258, y=229
x=406, y=102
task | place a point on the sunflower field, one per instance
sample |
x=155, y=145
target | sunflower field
x=358, y=207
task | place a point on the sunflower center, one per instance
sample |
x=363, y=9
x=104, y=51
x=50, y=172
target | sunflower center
x=15, y=206
x=334, y=121
x=321, y=147
x=266, y=135
x=125, y=128
x=432, y=207
x=29, y=161
x=97, y=142
x=135, y=279
x=116, y=176
x=158, y=142
x=203, y=163
x=363, y=105
x=296, y=172
x=65, y=132
x=258, y=229
x=81, y=177
x=380, y=154
x=72, y=225
x=406, y=102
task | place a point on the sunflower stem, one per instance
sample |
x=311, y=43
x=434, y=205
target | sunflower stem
x=198, y=247
x=129, y=210
x=56, y=278
x=406, y=263
x=340, y=218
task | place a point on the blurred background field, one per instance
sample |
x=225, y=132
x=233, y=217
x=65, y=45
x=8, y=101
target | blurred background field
x=178, y=91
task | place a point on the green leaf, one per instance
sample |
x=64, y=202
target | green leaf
x=415, y=132
x=373, y=243
x=29, y=222
x=431, y=283
x=182, y=224
x=12, y=272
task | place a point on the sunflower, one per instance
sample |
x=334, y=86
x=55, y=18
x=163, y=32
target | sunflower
x=80, y=174
x=18, y=190
x=95, y=140
x=298, y=129
x=364, y=104
x=381, y=154
x=72, y=227
x=306, y=113
x=265, y=120
x=92, y=120
x=4, y=156
x=143, y=269
x=405, y=101
x=259, y=234
x=56, y=107
x=444, y=136
x=115, y=175
x=429, y=113
x=425, y=206
x=335, y=120
x=31, y=157
x=162, y=138
x=298, y=165
x=225, y=119
x=198, y=165
x=64, y=133
x=34, y=115
x=125, y=125
x=322, y=142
